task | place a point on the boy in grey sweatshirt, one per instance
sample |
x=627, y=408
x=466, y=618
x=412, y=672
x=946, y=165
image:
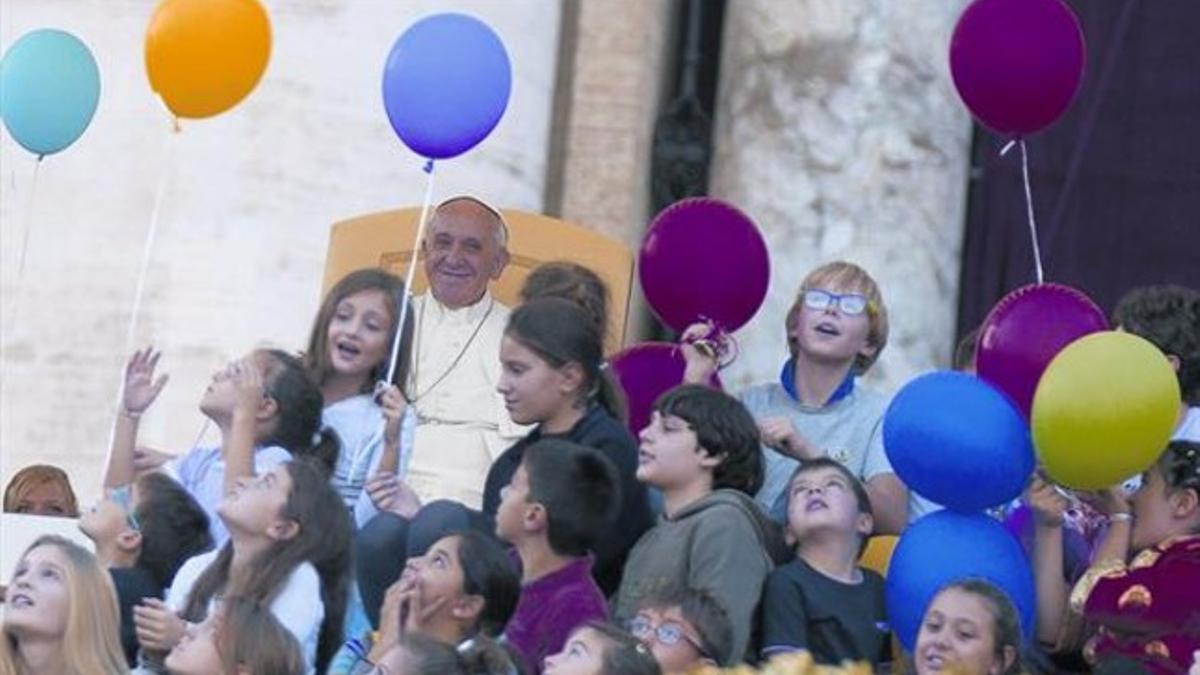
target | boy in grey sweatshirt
x=701, y=450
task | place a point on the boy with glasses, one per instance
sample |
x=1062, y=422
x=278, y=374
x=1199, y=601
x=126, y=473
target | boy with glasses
x=143, y=533
x=684, y=628
x=836, y=330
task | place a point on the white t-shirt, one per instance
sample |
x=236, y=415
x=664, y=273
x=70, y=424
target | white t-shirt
x=298, y=606
x=1189, y=428
x=358, y=423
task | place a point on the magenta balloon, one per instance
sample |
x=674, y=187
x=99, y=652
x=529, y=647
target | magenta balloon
x=646, y=371
x=704, y=259
x=1017, y=64
x=1026, y=330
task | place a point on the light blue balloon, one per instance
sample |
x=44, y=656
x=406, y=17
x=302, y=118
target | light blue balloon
x=49, y=88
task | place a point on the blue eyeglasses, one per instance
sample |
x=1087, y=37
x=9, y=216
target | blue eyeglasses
x=668, y=633
x=850, y=304
x=123, y=497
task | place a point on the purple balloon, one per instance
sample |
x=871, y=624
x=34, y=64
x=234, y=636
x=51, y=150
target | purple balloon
x=704, y=259
x=1026, y=330
x=647, y=371
x=1017, y=64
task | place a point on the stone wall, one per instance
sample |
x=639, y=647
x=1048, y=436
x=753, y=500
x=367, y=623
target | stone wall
x=839, y=132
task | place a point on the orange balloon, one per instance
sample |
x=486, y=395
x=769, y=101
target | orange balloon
x=203, y=56
x=878, y=554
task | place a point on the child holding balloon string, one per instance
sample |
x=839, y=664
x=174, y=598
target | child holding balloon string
x=1146, y=608
x=836, y=330
x=348, y=358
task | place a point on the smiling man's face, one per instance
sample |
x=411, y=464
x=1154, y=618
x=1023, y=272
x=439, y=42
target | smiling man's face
x=463, y=252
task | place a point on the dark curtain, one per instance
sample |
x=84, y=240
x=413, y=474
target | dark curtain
x=1116, y=181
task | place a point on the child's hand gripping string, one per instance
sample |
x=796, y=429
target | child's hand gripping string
x=705, y=348
x=1048, y=503
x=394, y=406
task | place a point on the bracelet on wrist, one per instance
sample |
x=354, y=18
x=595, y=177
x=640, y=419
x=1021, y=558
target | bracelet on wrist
x=126, y=412
x=1121, y=517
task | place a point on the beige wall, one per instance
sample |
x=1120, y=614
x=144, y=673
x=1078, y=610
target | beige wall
x=244, y=224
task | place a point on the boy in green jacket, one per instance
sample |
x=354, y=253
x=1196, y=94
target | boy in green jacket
x=701, y=450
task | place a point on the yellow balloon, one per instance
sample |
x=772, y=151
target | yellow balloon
x=1104, y=410
x=203, y=56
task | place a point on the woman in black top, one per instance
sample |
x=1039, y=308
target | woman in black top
x=552, y=375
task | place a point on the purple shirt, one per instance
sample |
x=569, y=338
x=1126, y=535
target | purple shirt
x=553, y=606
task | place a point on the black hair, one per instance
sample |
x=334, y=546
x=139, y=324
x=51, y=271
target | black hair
x=624, y=654
x=488, y=573
x=1168, y=316
x=724, y=429
x=298, y=424
x=560, y=332
x=706, y=615
x=173, y=527
x=483, y=656
x=579, y=489
x=1180, y=465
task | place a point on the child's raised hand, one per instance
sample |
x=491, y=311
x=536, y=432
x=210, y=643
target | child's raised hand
x=141, y=388
x=247, y=382
x=394, y=405
x=1048, y=504
x=781, y=435
x=158, y=628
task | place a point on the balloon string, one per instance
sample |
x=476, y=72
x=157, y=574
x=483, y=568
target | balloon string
x=409, y=276
x=30, y=210
x=405, y=303
x=139, y=289
x=1033, y=232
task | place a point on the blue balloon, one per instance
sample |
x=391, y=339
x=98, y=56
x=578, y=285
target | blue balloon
x=958, y=441
x=49, y=88
x=945, y=547
x=446, y=84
